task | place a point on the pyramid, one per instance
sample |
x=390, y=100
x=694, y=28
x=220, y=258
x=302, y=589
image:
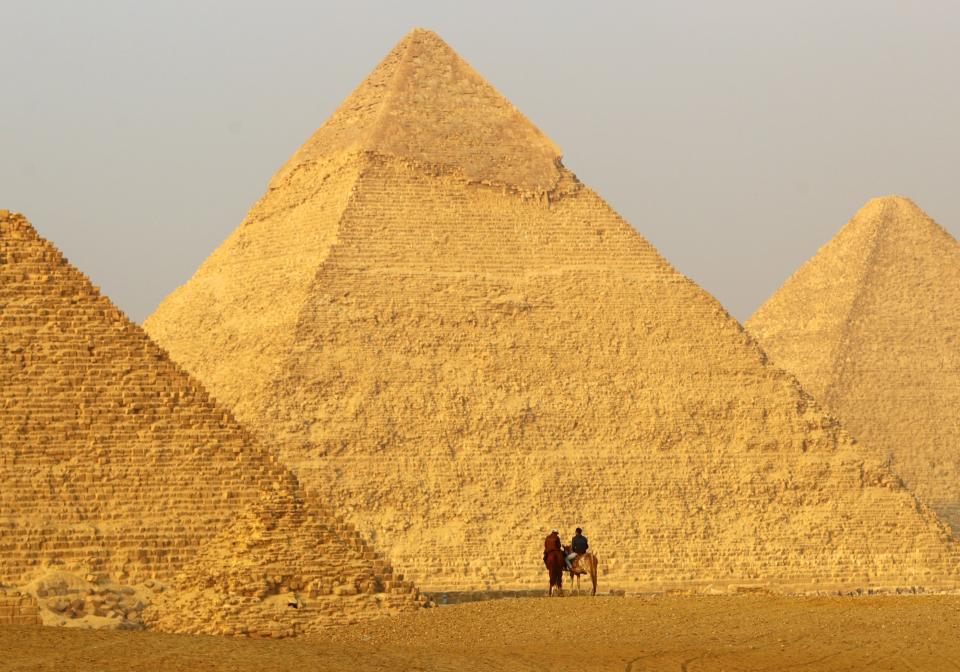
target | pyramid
x=464, y=346
x=871, y=327
x=117, y=468
x=280, y=552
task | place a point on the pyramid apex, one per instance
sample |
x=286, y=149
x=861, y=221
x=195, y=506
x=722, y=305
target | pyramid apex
x=425, y=38
x=10, y=216
x=419, y=31
x=896, y=213
x=893, y=202
x=896, y=199
x=14, y=221
x=425, y=104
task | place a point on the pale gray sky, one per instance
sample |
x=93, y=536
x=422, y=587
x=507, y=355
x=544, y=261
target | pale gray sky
x=737, y=136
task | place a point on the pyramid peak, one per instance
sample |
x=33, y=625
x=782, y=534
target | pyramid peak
x=894, y=214
x=893, y=199
x=22, y=235
x=425, y=104
x=422, y=38
x=894, y=203
x=424, y=33
x=427, y=40
x=8, y=216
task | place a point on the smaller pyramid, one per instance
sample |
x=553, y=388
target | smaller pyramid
x=118, y=468
x=871, y=327
x=259, y=570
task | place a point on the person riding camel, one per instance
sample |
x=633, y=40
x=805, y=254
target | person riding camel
x=551, y=543
x=578, y=546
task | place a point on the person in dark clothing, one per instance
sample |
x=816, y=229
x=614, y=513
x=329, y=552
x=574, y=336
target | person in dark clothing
x=552, y=543
x=578, y=546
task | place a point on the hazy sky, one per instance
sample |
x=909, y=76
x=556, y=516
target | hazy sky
x=737, y=136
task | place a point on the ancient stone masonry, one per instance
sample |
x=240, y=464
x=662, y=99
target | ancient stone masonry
x=463, y=346
x=871, y=327
x=117, y=469
x=281, y=569
x=18, y=609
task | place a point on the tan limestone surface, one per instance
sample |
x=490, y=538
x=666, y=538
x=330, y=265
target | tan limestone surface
x=124, y=485
x=18, y=608
x=463, y=362
x=871, y=327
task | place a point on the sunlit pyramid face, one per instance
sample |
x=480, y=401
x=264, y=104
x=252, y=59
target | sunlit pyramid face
x=458, y=343
x=118, y=469
x=870, y=326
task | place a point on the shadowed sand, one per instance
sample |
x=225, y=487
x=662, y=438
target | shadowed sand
x=755, y=632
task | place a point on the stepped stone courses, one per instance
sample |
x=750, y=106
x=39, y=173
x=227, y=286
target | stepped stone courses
x=871, y=327
x=465, y=346
x=117, y=466
x=17, y=609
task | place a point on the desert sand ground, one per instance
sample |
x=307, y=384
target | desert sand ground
x=750, y=632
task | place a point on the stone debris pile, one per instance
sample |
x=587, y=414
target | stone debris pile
x=463, y=346
x=116, y=464
x=67, y=599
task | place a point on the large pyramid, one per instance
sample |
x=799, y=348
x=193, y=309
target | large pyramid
x=871, y=327
x=116, y=469
x=465, y=346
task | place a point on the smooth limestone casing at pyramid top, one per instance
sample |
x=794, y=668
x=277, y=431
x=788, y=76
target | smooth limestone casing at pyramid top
x=465, y=346
x=115, y=463
x=871, y=327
